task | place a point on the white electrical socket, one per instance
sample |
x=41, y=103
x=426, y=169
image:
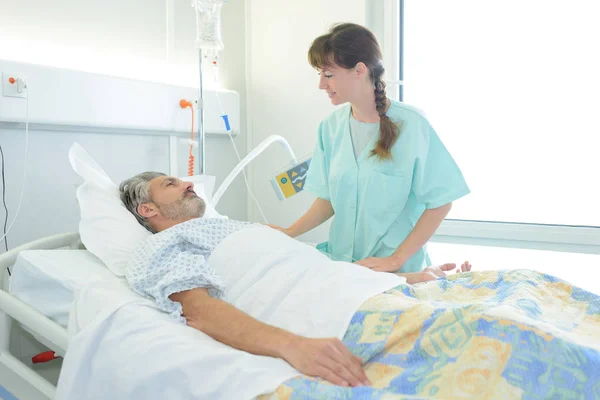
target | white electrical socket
x=12, y=85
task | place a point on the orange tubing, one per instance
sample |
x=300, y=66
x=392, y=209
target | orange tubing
x=183, y=104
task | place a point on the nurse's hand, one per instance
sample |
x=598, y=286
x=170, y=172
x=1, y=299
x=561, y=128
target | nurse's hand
x=385, y=264
x=284, y=230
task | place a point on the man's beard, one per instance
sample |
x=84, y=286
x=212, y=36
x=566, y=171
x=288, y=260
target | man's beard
x=186, y=207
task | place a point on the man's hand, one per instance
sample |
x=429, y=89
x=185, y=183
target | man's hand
x=433, y=273
x=385, y=264
x=328, y=359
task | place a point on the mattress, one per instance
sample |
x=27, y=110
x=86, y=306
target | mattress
x=46, y=279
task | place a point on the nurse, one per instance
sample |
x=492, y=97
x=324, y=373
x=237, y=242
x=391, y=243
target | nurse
x=379, y=167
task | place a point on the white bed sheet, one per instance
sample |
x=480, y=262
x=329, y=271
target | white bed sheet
x=122, y=338
x=46, y=279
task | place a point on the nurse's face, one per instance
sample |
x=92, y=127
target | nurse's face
x=339, y=83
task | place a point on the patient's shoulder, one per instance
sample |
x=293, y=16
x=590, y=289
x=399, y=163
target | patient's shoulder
x=150, y=249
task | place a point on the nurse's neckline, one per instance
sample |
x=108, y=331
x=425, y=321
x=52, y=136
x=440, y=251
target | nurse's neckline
x=353, y=118
x=389, y=103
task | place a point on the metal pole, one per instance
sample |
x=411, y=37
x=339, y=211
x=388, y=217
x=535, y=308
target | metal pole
x=200, y=113
x=401, y=61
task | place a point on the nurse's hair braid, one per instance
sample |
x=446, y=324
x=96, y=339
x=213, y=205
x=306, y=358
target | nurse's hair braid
x=346, y=45
x=388, y=130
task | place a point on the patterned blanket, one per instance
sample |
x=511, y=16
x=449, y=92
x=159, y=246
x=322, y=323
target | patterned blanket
x=481, y=335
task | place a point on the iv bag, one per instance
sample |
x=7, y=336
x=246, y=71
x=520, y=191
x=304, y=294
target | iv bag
x=208, y=24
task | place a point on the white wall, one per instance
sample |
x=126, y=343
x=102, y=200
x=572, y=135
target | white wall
x=283, y=90
x=129, y=39
x=114, y=37
x=135, y=39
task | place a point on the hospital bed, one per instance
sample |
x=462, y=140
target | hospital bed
x=499, y=322
x=38, y=296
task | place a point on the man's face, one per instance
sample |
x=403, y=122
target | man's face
x=176, y=199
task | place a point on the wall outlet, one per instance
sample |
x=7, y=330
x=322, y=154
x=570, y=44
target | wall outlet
x=12, y=86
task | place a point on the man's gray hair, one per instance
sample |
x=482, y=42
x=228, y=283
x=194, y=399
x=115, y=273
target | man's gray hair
x=136, y=191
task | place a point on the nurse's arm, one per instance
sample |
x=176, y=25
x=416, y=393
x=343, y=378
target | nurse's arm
x=326, y=358
x=320, y=211
x=423, y=231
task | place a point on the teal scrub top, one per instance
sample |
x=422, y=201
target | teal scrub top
x=378, y=202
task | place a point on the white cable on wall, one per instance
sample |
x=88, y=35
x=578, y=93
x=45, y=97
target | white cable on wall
x=24, y=83
x=240, y=160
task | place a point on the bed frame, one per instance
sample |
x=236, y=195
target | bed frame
x=43, y=329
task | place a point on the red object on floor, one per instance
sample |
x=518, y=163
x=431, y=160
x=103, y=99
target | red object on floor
x=43, y=357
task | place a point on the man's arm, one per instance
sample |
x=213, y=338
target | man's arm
x=325, y=358
x=433, y=273
x=411, y=277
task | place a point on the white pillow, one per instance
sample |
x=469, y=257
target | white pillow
x=108, y=230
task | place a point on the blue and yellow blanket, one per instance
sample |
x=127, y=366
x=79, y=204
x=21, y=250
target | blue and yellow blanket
x=481, y=335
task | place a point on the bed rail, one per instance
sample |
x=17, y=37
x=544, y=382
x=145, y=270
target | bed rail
x=44, y=330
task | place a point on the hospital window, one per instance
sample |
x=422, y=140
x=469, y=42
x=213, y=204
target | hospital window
x=512, y=89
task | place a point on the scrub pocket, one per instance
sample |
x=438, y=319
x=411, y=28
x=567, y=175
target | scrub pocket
x=387, y=194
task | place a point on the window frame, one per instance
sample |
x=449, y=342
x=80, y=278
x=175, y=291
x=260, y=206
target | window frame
x=385, y=18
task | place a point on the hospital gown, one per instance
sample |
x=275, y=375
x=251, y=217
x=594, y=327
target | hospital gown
x=175, y=260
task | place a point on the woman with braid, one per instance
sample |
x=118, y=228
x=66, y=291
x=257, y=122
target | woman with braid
x=378, y=165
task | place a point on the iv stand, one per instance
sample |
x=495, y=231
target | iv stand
x=201, y=133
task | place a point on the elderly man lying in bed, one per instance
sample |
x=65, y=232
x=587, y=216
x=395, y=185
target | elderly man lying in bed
x=173, y=268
